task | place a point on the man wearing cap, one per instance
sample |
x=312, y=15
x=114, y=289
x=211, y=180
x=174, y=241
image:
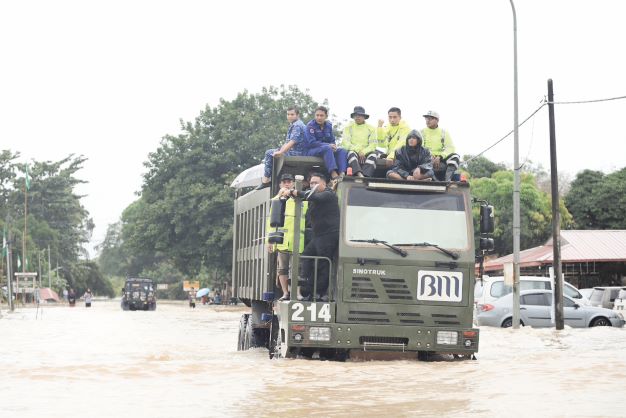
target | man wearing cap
x=439, y=143
x=393, y=136
x=412, y=161
x=286, y=247
x=295, y=144
x=360, y=140
x=321, y=143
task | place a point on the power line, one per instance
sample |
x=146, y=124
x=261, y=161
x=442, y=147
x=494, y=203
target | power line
x=464, y=163
x=590, y=101
x=544, y=102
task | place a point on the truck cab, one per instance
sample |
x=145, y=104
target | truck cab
x=402, y=279
x=138, y=295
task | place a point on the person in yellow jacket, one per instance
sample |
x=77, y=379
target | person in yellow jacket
x=439, y=142
x=360, y=140
x=286, y=248
x=393, y=136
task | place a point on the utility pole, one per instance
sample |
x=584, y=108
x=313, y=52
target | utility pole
x=556, y=218
x=49, y=279
x=9, y=275
x=516, y=181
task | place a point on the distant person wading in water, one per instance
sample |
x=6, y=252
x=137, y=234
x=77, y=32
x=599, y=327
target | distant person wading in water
x=88, y=295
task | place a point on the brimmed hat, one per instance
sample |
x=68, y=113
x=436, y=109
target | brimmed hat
x=431, y=114
x=286, y=176
x=359, y=110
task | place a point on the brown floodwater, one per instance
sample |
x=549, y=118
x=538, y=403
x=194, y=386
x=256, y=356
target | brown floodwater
x=179, y=362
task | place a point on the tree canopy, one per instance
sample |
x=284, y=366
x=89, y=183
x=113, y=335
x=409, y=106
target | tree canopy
x=598, y=201
x=184, y=213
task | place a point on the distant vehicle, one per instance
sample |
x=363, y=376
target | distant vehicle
x=604, y=296
x=493, y=288
x=535, y=307
x=620, y=302
x=138, y=295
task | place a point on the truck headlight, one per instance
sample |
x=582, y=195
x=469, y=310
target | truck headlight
x=447, y=337
x=319, y=334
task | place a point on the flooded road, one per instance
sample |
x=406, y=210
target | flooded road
x=178, y=362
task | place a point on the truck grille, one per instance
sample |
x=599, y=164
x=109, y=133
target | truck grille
x=363, y=288
x=383, y=340
x=373, y=317
x=446, y=319
x=396, y=289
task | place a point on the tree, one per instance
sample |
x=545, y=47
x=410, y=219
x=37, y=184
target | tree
x=480, y=166
x=184, y=214
x=598, y=201
x=535, y=210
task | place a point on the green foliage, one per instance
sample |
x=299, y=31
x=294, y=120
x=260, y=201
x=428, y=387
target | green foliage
x=184, y=214
x=482, y=167
x=598, y=201
x=56, y=219
x=535, y=210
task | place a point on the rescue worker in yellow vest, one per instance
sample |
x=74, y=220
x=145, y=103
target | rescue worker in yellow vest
x=393, y=136
x=286, y=248
x=439, y=142
x=360, y=140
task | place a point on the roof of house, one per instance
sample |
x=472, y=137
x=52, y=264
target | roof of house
x=577, y=246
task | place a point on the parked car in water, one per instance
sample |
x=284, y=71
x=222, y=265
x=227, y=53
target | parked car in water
x=586, y=292
x=620, y=302
x=492, y=288
x=535, y=311
x=604, y=296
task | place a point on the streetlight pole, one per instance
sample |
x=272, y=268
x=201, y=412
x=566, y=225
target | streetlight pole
x=516, y=181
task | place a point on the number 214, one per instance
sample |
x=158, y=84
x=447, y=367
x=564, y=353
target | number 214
x=298, y=309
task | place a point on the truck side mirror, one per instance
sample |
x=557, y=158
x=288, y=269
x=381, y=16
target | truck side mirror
x=487, y=244
x=277, y=213
x=486, y=219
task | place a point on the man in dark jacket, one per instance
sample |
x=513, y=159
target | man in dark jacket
x=323, y=211
x=412, y=162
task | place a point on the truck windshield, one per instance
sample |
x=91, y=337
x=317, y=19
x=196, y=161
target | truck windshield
x=401, y=217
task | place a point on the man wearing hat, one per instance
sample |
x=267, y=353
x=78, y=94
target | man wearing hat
x=439, y=142
x=360, y=140
x=286, y=247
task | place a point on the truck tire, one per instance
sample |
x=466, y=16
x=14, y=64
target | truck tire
x=243, y=323
x=251, y=338
x=273, y=346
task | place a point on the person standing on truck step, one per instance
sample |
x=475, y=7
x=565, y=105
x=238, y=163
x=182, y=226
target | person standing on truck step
x=321, y=140
x=412, y=161
x=360, y=140
x=439, y=142
x=286, y=248
x=324, y=215
x=295, y=144
x=392, y=136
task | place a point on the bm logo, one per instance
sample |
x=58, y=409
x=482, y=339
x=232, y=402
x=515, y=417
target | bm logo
x=440, y=286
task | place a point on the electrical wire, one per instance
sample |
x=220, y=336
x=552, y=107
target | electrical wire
x=464, y=163
x=544, y=103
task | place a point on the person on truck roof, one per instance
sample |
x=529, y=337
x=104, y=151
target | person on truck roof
x=439, y=142
x=412, y=161
x=286, y=248
x=393, y=136
x=360, y=140
x=321, y=140
x=295, y=144
x=323, y=212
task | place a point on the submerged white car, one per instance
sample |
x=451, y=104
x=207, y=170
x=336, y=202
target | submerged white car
x=535, y=311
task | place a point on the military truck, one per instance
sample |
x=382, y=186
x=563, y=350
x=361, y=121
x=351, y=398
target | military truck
x=138, y=295
x=402, y=279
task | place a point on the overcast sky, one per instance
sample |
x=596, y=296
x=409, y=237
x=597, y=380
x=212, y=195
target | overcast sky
x=108, y=79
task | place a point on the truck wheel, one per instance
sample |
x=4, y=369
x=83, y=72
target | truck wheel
x=243, y=323
x=273, y=347
x=249, y=338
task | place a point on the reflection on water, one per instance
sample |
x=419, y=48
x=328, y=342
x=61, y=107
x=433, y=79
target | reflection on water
x=178, y=362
